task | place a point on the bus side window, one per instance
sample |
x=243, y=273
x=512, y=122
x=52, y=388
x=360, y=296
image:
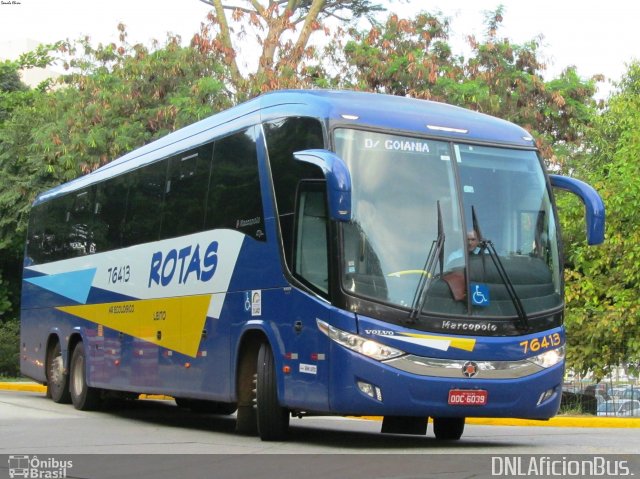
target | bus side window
x=284, y=137
x=235, y=200
x=80, y=223
x=111, y=207
x=55, y=229
x=37, y=239
x=311, y=255
x=186, y=192
x=145, y=205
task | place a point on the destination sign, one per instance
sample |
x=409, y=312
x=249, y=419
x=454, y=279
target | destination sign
x=414, y=146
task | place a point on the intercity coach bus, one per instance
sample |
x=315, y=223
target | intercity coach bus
x=309, y=253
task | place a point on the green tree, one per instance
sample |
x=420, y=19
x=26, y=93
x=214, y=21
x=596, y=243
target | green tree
x=603, y=318
x=413, y=57
x=14, y=94
x=10, y=83
x=401, y=57
x=9, y=348
x=281, y=32
x=115, y=99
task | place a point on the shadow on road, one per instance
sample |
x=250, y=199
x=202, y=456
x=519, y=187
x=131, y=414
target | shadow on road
x=312, y=430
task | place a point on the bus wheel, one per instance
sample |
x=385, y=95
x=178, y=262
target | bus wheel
x=57, y=379
x=448, y=428
x=83, y=397
x=273, y=419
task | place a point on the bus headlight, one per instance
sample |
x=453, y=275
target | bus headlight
x=549, y=358
x=367, y=347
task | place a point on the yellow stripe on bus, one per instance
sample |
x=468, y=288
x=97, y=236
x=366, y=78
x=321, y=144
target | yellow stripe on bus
x=465, y=344
x=172, y=323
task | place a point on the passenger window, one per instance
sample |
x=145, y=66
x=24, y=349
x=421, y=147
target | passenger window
x=144, y=212
x=80, y=223
x=311, y=256
x=284, y=137
x=111, y=208
x=56, y=228
x=186, y=192
x=235, y=199
x=47, y=230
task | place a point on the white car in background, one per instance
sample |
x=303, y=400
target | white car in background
x=620, y=408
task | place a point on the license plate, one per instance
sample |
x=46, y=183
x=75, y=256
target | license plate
x=468, y=397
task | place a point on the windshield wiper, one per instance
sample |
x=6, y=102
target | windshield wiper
x=487, y=245
x=436, y=253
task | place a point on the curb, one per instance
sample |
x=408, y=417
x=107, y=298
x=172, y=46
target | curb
x=558, y=421
x=39, y=388
x=26, y=386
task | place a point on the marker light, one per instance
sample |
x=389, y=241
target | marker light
x=549, y=358
x=366, y=347
x=447, y=129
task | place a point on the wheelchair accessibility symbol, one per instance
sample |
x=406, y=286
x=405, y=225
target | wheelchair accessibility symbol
x=247, y=301
x=480, y=294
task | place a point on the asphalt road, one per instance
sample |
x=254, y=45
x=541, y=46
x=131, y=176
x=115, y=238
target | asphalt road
x=178, y=440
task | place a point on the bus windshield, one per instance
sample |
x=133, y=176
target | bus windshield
x=448, y=229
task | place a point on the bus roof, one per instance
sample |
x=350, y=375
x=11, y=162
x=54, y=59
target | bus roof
x=349, y=108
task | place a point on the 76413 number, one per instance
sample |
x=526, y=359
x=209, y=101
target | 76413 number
x=119, y=274
x=544, y=342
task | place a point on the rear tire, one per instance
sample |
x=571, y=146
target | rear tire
x=273, y=419
x=448, y=428
x=83, y=397
x=57, y=379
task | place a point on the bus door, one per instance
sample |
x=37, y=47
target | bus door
x=307, y=357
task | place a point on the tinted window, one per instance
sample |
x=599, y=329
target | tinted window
x=80, y=223
x=235, y=200
x=311, y=250
x=52, y=234
x=111, y=207
x=186, y=192
x=181, y=195
x=284, y=137
x=144, y=209
x=40, y=240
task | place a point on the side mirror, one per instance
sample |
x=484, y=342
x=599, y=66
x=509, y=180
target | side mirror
x=338, y=180
x=594, y=206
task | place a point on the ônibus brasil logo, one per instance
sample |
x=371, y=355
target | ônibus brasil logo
x=38, y=468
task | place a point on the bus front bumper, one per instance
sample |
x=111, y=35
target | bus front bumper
x=363, y=386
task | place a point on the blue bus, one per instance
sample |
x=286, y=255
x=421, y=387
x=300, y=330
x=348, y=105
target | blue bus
x=309, y=253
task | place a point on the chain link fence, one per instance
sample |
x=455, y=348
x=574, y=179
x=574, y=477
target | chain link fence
x=617, y=395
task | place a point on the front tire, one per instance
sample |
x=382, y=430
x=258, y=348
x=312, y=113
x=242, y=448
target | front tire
x=273, y=419
x=83, y=397
x=57, y=379
x=448, y=428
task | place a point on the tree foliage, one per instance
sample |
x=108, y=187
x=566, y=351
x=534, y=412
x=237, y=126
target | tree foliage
x=603, y=319
x=9, y=348
x=413, y=57
x=281, y=31
x=116, y=98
